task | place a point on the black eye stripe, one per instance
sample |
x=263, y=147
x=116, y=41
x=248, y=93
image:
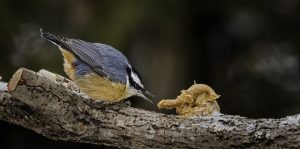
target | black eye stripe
x=132, y=82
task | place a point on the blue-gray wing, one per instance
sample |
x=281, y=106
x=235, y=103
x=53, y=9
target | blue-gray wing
x=103, y=59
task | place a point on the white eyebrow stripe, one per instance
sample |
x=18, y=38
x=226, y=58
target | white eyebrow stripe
x=136, y=79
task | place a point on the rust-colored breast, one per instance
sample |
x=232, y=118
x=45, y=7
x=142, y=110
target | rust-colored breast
x=69, y=59
x=99, y=88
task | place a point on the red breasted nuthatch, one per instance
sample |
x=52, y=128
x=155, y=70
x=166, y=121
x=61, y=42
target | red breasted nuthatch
x=99, y=70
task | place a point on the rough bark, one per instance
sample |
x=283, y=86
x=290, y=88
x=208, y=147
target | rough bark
x=52, y=106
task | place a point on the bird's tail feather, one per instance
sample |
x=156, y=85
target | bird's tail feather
x=61, y=42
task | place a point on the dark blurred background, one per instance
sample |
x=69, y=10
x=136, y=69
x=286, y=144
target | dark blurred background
x=248, y=51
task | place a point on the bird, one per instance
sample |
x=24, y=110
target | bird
x=99, y=70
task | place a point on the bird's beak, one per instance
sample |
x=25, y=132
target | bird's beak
x=144, y=97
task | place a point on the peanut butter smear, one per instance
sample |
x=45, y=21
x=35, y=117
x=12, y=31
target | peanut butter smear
x=199, y=99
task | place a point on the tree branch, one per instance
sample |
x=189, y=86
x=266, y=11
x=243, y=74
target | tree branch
x=52, y=106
